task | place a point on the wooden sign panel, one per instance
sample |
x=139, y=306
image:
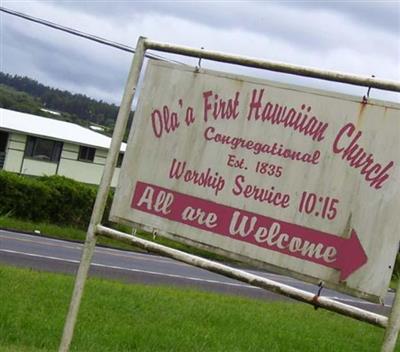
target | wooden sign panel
x=302, y=180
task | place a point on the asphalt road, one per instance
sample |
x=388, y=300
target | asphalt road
x=53, y=255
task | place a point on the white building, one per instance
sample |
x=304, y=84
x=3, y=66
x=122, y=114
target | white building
x=35, y=145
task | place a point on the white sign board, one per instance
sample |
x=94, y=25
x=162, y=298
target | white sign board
x=303, y=180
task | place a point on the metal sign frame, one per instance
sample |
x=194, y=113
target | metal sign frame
x=391, y=324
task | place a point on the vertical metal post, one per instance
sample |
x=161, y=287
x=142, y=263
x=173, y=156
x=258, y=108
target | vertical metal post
x=392, y=330
x=100, y=203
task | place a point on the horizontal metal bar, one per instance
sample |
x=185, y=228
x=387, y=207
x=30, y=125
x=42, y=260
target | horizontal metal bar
x=276, y=66
x=251, y=279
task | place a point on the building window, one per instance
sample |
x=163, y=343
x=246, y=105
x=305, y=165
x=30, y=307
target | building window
x=86, y=153
x=3, y=141
x=43, y=149
x=120, y=158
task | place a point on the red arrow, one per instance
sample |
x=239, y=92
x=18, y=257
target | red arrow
x=351, y=256
x=345, y=255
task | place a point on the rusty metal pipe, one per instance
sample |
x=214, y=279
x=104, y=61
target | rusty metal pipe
x=275, y=66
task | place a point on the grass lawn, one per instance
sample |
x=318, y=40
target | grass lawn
x=394, y=282
x=121, y=317
x=55, y=231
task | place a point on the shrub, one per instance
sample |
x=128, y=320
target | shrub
x=23, y=197
x=54, y=199
x=71, y=201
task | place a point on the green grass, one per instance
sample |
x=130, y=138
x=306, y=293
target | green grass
x=394, y=282
x=121, y=317
x=71, y=233
x=55, y=231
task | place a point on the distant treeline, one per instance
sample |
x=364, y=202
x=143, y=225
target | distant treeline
x=76, y=106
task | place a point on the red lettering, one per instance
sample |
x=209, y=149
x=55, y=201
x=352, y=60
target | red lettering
x=262, y=195
x=205, y=178
x=220, y=108
x=211, y=135
x=164, y=122
x=346, y=144
x=298, y=120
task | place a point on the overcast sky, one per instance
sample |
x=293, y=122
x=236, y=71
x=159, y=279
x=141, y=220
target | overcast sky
x=360, y=37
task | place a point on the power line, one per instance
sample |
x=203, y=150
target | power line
x=84, y=35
